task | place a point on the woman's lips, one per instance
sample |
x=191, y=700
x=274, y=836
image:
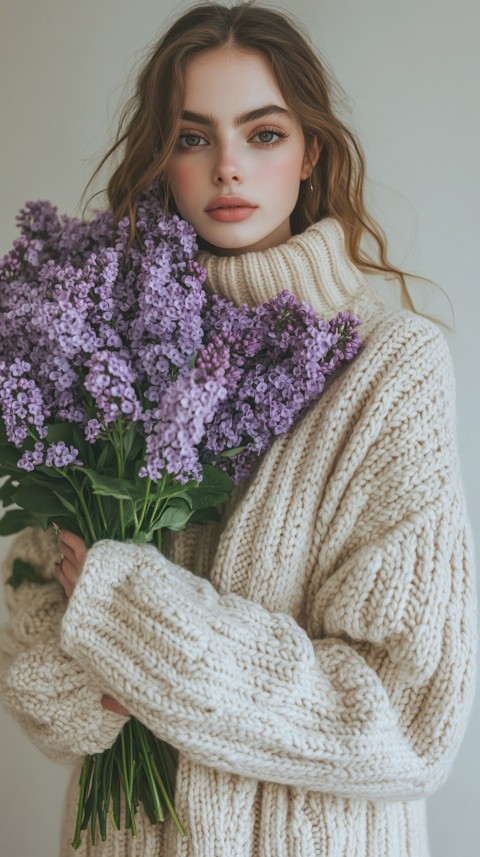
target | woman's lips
x=230, y=208
x=231, y=214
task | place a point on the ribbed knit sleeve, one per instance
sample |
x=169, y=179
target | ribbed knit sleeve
x=370, y=697
x=52, y=697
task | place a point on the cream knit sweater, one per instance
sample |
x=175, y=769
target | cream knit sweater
x=316, y=672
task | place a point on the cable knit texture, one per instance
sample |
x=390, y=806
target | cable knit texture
x=49, y=693
x=311, y=654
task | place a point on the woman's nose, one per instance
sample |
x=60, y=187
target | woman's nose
x=226, y=169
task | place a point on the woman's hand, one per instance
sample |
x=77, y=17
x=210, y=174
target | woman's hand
x=73, y=551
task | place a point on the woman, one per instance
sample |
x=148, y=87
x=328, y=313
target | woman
x=311, y=655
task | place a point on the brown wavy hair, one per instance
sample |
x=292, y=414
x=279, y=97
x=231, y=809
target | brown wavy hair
x=150, y=121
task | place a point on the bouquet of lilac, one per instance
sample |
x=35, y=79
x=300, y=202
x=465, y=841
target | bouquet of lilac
x=131, y=401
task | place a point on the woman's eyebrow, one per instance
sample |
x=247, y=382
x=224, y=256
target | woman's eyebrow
x=242, y=119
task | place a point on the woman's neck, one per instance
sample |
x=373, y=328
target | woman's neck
x=313, y=266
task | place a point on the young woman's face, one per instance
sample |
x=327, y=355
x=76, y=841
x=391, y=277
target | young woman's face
x=240, y=157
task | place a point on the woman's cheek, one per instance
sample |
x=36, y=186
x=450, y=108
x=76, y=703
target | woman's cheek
x=181, y=177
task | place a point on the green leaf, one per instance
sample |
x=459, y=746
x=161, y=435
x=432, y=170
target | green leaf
x=129, y=438
x=85, y=449
x=138, y=448
x=204, y=499
x=229, y=453
x=6, y=492
x=106, y=458
x=185, y=497
x=181, y=503
x=173, y=489
x=60, y=431
x=144, y=538
x=23, y=571
x=46, y=482
x=203, y=515
x=15, y=521
x=34, y=499
x=175, y=516
x=215, y=478
x=9, y=455
x=140, y=483
x=215, y=488
x=47, y=472
x=111, y=486
x=68, y=504
x=4, y=441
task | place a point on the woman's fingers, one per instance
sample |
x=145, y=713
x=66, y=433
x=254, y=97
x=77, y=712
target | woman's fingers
x=73, y=551
x=73, y=547
x=67, y=551
x=111, y=704
x=63, y=580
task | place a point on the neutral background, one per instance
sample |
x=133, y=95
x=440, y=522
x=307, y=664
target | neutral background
x=410, y=75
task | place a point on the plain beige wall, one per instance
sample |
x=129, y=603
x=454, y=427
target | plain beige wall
x=410, y=71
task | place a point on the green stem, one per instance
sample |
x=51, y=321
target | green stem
x=154, y=514
x=146, y=798
x=160, y=503
x=116, y=820
x=159, y=751
x=174, y=815
x=79, y=491
x=127, y=771
x=107, y=782
x=102, y=514
x=96, y=779
x=139, y=521
x=120, y=473
x=147, y=762
x=84, y=780
x=147, y=752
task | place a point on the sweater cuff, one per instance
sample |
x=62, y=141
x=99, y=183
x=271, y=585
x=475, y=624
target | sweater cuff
x=58, y=703
x=91, y=614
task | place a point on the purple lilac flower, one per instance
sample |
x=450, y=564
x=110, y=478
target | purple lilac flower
x=60, y=455
x=21, y=402
x=71, y=289
x=38, y=219
x=32, y=458
x=93, y=330
x=271, y=396
x=110, y=382
x=223, y=318
x=167, y=328
x=178, y=425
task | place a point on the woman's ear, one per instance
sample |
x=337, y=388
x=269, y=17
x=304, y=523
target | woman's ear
x=312, y=154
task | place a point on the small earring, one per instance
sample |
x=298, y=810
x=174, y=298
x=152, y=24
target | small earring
x=310, y=187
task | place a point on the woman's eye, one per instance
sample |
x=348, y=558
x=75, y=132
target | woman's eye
x=190, y=141
x=267, y=136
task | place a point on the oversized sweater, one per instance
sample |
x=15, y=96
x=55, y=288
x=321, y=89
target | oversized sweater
x=311, y=654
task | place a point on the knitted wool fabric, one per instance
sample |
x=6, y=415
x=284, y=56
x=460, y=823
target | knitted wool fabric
x=311, y=655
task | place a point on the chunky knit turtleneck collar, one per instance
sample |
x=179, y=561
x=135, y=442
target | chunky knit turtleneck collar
x=314, y=266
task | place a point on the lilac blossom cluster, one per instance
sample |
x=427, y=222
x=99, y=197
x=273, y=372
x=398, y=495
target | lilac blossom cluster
x=101, y=332
x=91, y=330
x=179, y=423
x=289, y=352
